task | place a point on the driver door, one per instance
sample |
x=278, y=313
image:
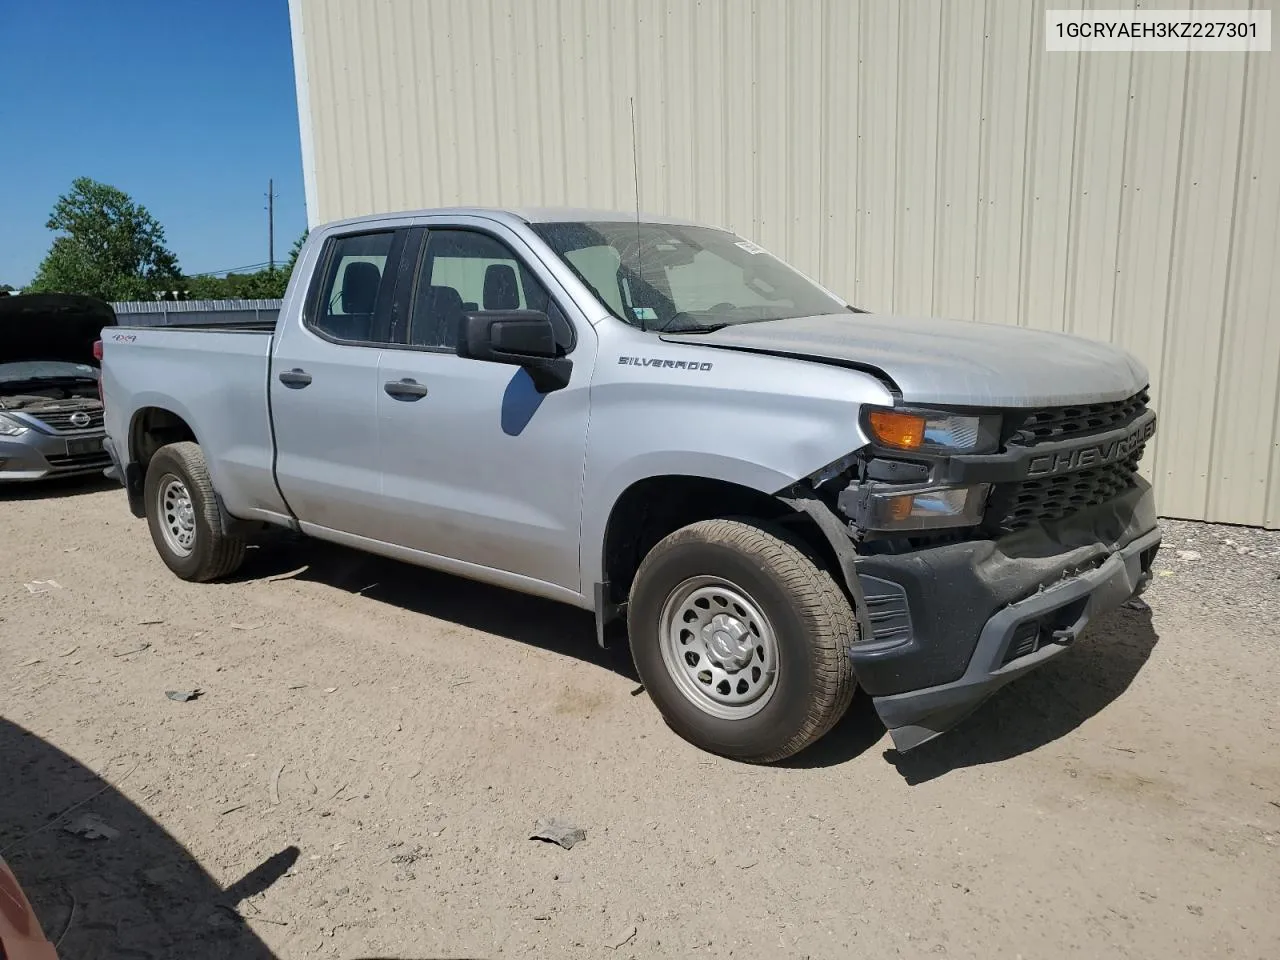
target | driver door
x=478, y=467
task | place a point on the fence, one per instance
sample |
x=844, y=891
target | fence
x=159, y=313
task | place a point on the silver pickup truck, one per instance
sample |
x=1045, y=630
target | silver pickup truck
x=785, y=497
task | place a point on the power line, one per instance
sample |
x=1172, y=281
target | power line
x=222, y=270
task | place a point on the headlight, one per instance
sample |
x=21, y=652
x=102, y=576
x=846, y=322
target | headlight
x=10, y=427
x=888, y=510
x=933, y=432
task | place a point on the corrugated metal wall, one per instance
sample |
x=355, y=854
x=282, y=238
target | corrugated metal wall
x=923, y=157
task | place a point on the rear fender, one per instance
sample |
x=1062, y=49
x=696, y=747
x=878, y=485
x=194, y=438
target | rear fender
x=130, y=456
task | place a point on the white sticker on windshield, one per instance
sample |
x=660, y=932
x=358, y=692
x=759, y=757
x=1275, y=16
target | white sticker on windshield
x=644, y=313
x=748, y=246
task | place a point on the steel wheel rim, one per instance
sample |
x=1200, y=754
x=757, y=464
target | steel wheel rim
x=719, y=648
x=177, y=516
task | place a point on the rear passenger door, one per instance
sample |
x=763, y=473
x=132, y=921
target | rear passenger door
x=325, y=388
x=478, y=467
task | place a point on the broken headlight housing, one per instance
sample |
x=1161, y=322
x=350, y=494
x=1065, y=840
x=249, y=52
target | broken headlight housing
x=898, y=495
x=883, y=508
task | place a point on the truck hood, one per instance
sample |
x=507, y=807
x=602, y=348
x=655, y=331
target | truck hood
x=52, y=326
x=947, y=362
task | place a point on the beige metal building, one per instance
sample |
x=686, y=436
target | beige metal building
x=921, y=157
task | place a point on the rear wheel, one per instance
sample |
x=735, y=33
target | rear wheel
x=183, y=515
x=741, y=639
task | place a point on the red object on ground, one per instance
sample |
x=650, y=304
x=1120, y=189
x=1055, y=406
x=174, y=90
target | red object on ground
x=20, y=935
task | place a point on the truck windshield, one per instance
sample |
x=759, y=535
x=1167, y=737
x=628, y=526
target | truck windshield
x=670, y=277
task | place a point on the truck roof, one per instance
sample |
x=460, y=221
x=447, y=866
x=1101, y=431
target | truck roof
x=525, y=215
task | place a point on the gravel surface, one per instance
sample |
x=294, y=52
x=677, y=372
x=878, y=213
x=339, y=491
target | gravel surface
x=372, y=746
x=1235, y=571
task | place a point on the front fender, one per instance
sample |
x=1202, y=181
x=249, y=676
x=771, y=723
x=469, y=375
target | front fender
x=599, y=506
x=756, y=421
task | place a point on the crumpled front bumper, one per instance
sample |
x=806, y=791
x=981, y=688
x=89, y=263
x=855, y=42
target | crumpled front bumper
x=952, y=624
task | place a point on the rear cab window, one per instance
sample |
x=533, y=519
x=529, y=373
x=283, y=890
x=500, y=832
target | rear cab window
x=352, y=299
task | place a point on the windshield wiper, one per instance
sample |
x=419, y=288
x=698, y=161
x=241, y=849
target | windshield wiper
x=720, y=325
x=697, y=328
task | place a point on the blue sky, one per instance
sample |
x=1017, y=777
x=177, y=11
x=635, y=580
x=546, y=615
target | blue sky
x=187, y=106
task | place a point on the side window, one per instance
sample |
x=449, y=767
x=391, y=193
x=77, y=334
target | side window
x=355, y=281
x=463, y=271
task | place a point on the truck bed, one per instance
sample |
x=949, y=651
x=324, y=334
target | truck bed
x=220, y=375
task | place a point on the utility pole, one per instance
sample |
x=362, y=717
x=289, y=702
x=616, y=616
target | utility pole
x=271, y=224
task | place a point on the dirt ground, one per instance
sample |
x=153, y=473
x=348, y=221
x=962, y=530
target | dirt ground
x=361, y=774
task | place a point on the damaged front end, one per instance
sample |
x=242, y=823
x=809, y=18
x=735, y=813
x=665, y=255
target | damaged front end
x=978, y=544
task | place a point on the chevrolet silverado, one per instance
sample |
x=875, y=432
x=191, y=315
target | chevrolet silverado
x=785, y=497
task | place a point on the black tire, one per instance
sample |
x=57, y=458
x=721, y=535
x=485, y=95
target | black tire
x=811, y=619
x=213, y=554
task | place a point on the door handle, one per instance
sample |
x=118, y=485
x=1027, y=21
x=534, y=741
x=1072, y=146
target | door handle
x=406, y=389
x=295, y=379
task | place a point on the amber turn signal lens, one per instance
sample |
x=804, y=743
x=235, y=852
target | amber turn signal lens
x=894, y=429
x=900, y=507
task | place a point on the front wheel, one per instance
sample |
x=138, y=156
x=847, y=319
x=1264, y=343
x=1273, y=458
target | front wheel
x=741, y=640
x=183, y=515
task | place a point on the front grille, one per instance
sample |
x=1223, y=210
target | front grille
x=1016, y=506
x=1069, y=423
x=60, y=420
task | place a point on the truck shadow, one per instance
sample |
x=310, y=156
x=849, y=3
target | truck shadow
x=1044, y=705
x=138, y=893
x=1027, y=714
x=551, y=626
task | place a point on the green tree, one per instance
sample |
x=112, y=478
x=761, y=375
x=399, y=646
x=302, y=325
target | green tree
x=204, y=288
x=295, y=250
x=262, y=285
x=109, y=246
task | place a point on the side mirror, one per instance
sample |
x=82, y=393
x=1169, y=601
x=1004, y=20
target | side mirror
x=523, y=338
